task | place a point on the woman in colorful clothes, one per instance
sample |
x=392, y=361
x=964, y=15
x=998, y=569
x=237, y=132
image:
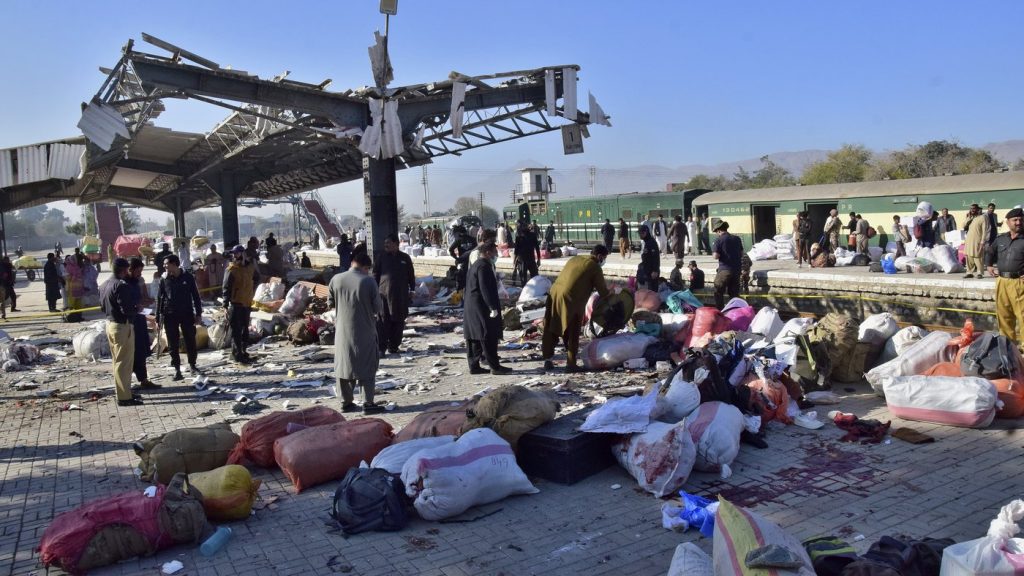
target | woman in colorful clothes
x=73, y=283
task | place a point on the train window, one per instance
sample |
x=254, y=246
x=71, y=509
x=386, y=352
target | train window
x=675, y=212
x=626, y=214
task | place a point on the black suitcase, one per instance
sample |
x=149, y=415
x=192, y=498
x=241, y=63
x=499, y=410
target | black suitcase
x=558, y=452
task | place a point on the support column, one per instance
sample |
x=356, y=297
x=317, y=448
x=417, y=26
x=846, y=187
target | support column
x=228, y=210
x=3, y=235
x=179, y=219
x=380, y=196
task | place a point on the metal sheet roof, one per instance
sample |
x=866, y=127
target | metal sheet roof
x=6, y=169
x=65, y=161
x=912, y=186
x=31, y=164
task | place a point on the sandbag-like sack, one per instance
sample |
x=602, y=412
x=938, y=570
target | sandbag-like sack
x=317, y=455
x=877, y=329
x=922, y=355
x=296, y=301
x=394, y=457
x=116, y=528
x=679, y=400
x=512, y=411
x=766, y=323
x=998, y=553
x=443, y=420
x=901, y=341
x=967, y=402
x=256, y=443
x=1011, y=394
x=646, y=300
x=612, y=351
x=185, y=450
x=478, y=468
x=660, y=459
x=739, y=531
x=228, y=492
x=715, y=429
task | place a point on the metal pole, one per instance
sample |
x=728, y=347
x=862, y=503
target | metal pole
x=3, y=234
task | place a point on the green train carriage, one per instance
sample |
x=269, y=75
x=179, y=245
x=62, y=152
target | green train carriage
x=579, y=220
x=758, y=214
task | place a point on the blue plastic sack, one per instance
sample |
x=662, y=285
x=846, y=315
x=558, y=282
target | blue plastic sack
x=683, y=301
x=696, y=514
x=889, y=265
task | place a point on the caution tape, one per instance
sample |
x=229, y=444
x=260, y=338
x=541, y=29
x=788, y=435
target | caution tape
x=88, y=309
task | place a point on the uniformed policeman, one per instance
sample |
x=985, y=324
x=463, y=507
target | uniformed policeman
x=120, y=307
x=1006, y=254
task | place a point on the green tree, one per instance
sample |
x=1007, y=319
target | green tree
x=468, y=205
x=705, y=182
x=769, y=175
x=130, y=220
x=936, y=158
x=1018, y=165
x=850, y=163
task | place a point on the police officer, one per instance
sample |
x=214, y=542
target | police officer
x=120, y=307
x=179, y=306
x=1006, y=253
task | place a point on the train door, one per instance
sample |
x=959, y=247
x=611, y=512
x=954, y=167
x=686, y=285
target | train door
x=818, y=213
x=764, y=222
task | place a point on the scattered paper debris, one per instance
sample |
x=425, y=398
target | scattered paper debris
x=172, y=567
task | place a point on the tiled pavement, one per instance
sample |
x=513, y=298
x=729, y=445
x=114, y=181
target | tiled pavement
x=807, y=481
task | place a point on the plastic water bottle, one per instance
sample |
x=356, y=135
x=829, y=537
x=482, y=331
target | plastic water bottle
x=218, y=540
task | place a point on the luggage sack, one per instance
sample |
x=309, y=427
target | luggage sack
x=317, y=455
x=185, y=450
x=256, y=443
x=968, y=402
x=369, y=499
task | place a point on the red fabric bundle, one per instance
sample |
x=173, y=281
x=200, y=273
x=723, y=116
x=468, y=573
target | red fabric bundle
x=324, y=453
x=258, y=436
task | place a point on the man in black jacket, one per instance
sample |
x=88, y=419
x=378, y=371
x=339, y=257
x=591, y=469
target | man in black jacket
x=396, y=280
x=482, y=318
x=179, y=306
x=608, y=232
x=52, y=281
x=650, y=261
x=526, y=252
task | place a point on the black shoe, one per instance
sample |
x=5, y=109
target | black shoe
x=572, y=369
x=501, y=371
x=177, y=376
x=132, y=402
x=372, y=409
x=349, y=407
x=477, y=370
x=549, y=365
x=392, y=350
x=150, y=385
x=15, y=310
x=756, y=440
x=193, y=369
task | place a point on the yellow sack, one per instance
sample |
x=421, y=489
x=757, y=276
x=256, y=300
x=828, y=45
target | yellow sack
x=228, y=492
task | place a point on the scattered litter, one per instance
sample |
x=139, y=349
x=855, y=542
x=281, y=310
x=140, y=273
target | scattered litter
x=616, y=486
x=440, y=362
x=247, y=408
x=172, y=567
x=287, y=404
x=150, y=492
x=69, y=407
x=389, y=384
x=390, y=406
x=858, y=537
x=204, y=393
x=47, y=392
x=24, y=385
x=200, y=382
x=303, y=383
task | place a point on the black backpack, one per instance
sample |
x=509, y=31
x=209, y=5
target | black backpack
x=992, y=356
x=370, y=499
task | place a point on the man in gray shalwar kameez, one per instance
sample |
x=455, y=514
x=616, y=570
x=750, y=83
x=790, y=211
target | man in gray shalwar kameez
x=356, y=300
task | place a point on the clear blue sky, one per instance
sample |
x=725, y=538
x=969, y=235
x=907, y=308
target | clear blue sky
x=685, y=82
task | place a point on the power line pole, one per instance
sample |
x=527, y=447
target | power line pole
x=481, y=205
x=426, y=194
x=593, y=180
